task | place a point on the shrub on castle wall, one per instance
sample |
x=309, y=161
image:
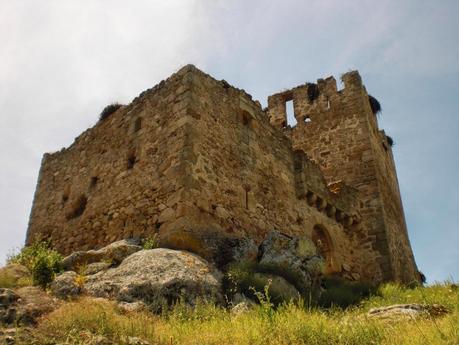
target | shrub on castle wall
x=109, y=110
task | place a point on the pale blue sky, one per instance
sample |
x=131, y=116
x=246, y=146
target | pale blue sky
x=62, y=61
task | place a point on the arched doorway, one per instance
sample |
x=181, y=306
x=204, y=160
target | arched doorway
x=324, y=246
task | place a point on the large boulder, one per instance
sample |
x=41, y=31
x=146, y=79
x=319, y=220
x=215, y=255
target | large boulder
x=293, y=258
x=279, y=289
x=65, y=285
x=113, y=253
x=158, y=277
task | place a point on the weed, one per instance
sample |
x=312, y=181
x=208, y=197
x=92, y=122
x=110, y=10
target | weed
x=150, y=242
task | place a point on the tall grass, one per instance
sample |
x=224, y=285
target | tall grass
x=288, y=324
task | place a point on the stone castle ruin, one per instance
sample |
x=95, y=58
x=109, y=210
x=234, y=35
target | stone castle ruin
x=201, y=165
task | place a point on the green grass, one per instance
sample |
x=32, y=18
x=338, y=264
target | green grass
x=288, y=324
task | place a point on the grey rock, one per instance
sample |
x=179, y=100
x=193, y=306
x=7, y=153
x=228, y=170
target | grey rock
x=65, y=285
x=96, y=267
x=278, y=287
x=296, y=257
x=132, y=307
x=25, y=305
x=7, y=297
x=158, y=277
x=113, y=254
x=407, y=311
x=136, y=341
x=241, y=308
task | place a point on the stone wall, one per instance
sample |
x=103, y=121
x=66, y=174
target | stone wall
x=199, y=163
x=246, y=180
x=340, y=132
x=121, y=178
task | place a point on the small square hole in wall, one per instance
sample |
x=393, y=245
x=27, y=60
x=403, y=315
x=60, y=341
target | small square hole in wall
x=307, y=119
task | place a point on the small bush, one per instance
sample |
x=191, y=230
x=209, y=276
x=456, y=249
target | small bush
x=108, y=110
x=42, y=262
x=390, y=141
x=150, y=242
x=342, y=293
x=374, y=104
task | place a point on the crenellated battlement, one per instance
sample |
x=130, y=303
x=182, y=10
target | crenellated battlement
x=311, y=99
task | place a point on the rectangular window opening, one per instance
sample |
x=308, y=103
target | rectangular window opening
x=291, y=121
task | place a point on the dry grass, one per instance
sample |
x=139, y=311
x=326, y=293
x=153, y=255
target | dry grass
x=288, y=324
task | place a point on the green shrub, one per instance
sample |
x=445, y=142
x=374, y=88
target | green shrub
x=108, y=110
x=374, y=104
x=42, y=261
x=341, y=293
x=150, y=242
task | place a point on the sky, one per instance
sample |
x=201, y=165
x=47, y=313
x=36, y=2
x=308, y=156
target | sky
x=62, y=61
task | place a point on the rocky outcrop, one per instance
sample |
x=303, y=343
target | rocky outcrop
x=294, y=258
x=407, y=311
x=158, y=277
x=65, y=285
x=24, y=305
x=111, y=254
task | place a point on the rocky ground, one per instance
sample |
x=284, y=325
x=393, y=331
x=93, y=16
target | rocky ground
x=126, y=279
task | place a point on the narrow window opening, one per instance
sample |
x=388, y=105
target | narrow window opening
x=327, y=104
x=65, y=195
x=321, y=239
x=291, y=120
x=131, y=161
x=246, y=201
x=138, y=124
x=245, y=119
x=93, y=182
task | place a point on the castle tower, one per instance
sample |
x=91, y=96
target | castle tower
x=339, y=130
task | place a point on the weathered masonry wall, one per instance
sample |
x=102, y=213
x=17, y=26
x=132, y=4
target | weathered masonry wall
x=340, y=132
x=119, y=179
x=199, y=163
x=246, y=180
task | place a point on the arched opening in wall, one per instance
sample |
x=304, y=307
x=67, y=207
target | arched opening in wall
x=138, y=124
x=307, y=119
x=322, y=240
x=291, y=120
